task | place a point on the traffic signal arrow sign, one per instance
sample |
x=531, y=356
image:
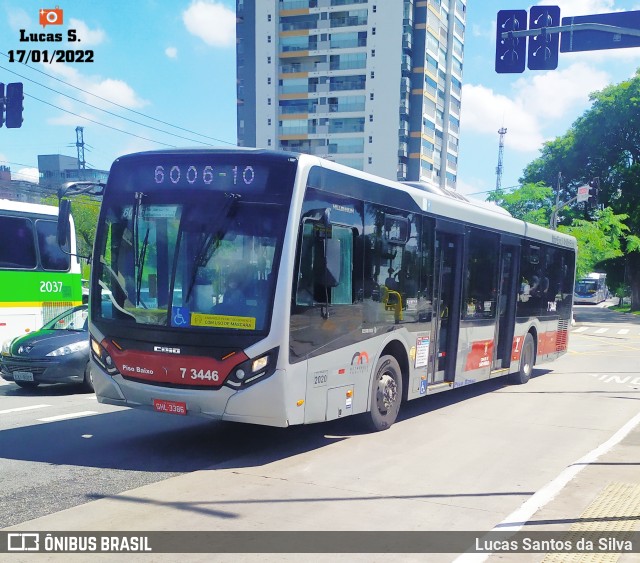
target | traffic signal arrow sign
x=511, y=51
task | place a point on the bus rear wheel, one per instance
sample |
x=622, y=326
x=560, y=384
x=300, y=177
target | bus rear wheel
x=527, y=359
x=386, y=393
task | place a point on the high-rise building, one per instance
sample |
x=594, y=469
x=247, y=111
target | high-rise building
x=373, y=84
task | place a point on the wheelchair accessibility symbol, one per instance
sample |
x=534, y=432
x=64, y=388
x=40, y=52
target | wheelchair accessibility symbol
x=180, y=316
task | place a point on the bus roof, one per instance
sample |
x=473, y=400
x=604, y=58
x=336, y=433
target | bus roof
x=431, y=199
x=24, y=207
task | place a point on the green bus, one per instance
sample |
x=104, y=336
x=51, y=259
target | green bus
x=38, y=280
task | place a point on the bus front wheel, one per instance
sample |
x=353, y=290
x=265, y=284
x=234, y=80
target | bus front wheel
x=527, y=359
x=386, y=393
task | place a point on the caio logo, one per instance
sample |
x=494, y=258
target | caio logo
x=50, y=16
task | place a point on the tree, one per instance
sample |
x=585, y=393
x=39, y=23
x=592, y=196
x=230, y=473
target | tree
x=605, y=143
x=85, y=218
x=598, y=241
x=531, y=202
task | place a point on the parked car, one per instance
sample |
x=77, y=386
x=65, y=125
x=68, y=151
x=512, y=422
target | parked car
x=57, y=353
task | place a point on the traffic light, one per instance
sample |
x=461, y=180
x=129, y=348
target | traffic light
x=511, y=52
x=543, y=49
x=594, y=192
x=14, y=105
x=1, y=103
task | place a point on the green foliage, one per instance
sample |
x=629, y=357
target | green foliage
x=598, y=240
x=531, y=202
x=85, y=212
x=604, y=143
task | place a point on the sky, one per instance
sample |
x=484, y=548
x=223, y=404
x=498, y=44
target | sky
x=162, y=74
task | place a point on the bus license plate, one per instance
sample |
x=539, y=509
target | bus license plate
x=22, y=376
x=171, y=407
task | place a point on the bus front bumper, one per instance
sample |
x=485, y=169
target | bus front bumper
x=263, y=403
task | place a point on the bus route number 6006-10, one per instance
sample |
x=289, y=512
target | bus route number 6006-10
x=202, y=374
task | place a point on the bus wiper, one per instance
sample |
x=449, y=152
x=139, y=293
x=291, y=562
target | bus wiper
x=141, y=261
x=139, y=254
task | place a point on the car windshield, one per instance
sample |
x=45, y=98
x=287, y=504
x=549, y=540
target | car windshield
x=203, y=263
x=75, y=319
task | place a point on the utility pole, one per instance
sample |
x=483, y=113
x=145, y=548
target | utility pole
x=502, y=132
x=82, y=165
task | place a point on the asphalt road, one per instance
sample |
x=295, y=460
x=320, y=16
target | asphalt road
x=461, y=460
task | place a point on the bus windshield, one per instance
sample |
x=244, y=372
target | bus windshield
x=586, y=287
x=202, y=259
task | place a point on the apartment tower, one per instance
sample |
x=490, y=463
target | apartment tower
x=373, y=84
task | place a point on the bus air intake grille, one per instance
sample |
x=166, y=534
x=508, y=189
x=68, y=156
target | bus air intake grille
x=562, y=336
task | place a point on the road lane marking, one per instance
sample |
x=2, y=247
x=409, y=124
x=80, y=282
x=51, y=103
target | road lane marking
x=67, y=416
x=623, y=331
x=581, y=329
x=519, y=517
x=601, y=330
x=18, y=409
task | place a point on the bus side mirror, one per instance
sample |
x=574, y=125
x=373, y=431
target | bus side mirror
x=64, y=226
x=333, y=262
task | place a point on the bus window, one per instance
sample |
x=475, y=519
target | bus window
x=481, y=275
x=18, y=249
x=51, y=256
x=311, y=273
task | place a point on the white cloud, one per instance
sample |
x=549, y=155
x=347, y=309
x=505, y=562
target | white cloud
x=171, y=52
x=581, y=7
x=18, y=19
x=538, y=101
x=26, y=175
x=484, y=111
x=212, y=22
x=111, y=89
x=87, y=37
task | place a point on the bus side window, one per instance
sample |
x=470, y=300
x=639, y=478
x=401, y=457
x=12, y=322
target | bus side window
x=311, y=272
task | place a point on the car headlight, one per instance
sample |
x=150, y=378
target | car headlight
x=6, y=347
x=70, y=348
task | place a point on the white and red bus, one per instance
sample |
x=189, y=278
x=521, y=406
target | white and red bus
x=279, y=289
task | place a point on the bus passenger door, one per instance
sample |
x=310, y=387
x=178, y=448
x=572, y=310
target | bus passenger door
x=507, y=293
x=446, y=297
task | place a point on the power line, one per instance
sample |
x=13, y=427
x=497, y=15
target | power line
x=105, y=110
x=98, y=123
x=119, y=105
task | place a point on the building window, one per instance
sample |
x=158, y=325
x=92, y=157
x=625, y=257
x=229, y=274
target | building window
x=373, y=31
x=373, y=75
x=268, y=60
x=370, y=160
x=370, y=139
x=269, y=80
x=268, y=101
x=373, y=52
x=374, y=8
x=269, y=121
x=371, y=96
x=268, y=17
x=370, y=117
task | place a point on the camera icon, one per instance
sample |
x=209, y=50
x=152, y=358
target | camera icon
x=50, y=16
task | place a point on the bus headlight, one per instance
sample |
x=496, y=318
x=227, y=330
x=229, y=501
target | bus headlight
x=253, y=370
x=102, y=358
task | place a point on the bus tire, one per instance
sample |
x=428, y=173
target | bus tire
x=527, y=359
x=27, y=384
x=386, y=393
